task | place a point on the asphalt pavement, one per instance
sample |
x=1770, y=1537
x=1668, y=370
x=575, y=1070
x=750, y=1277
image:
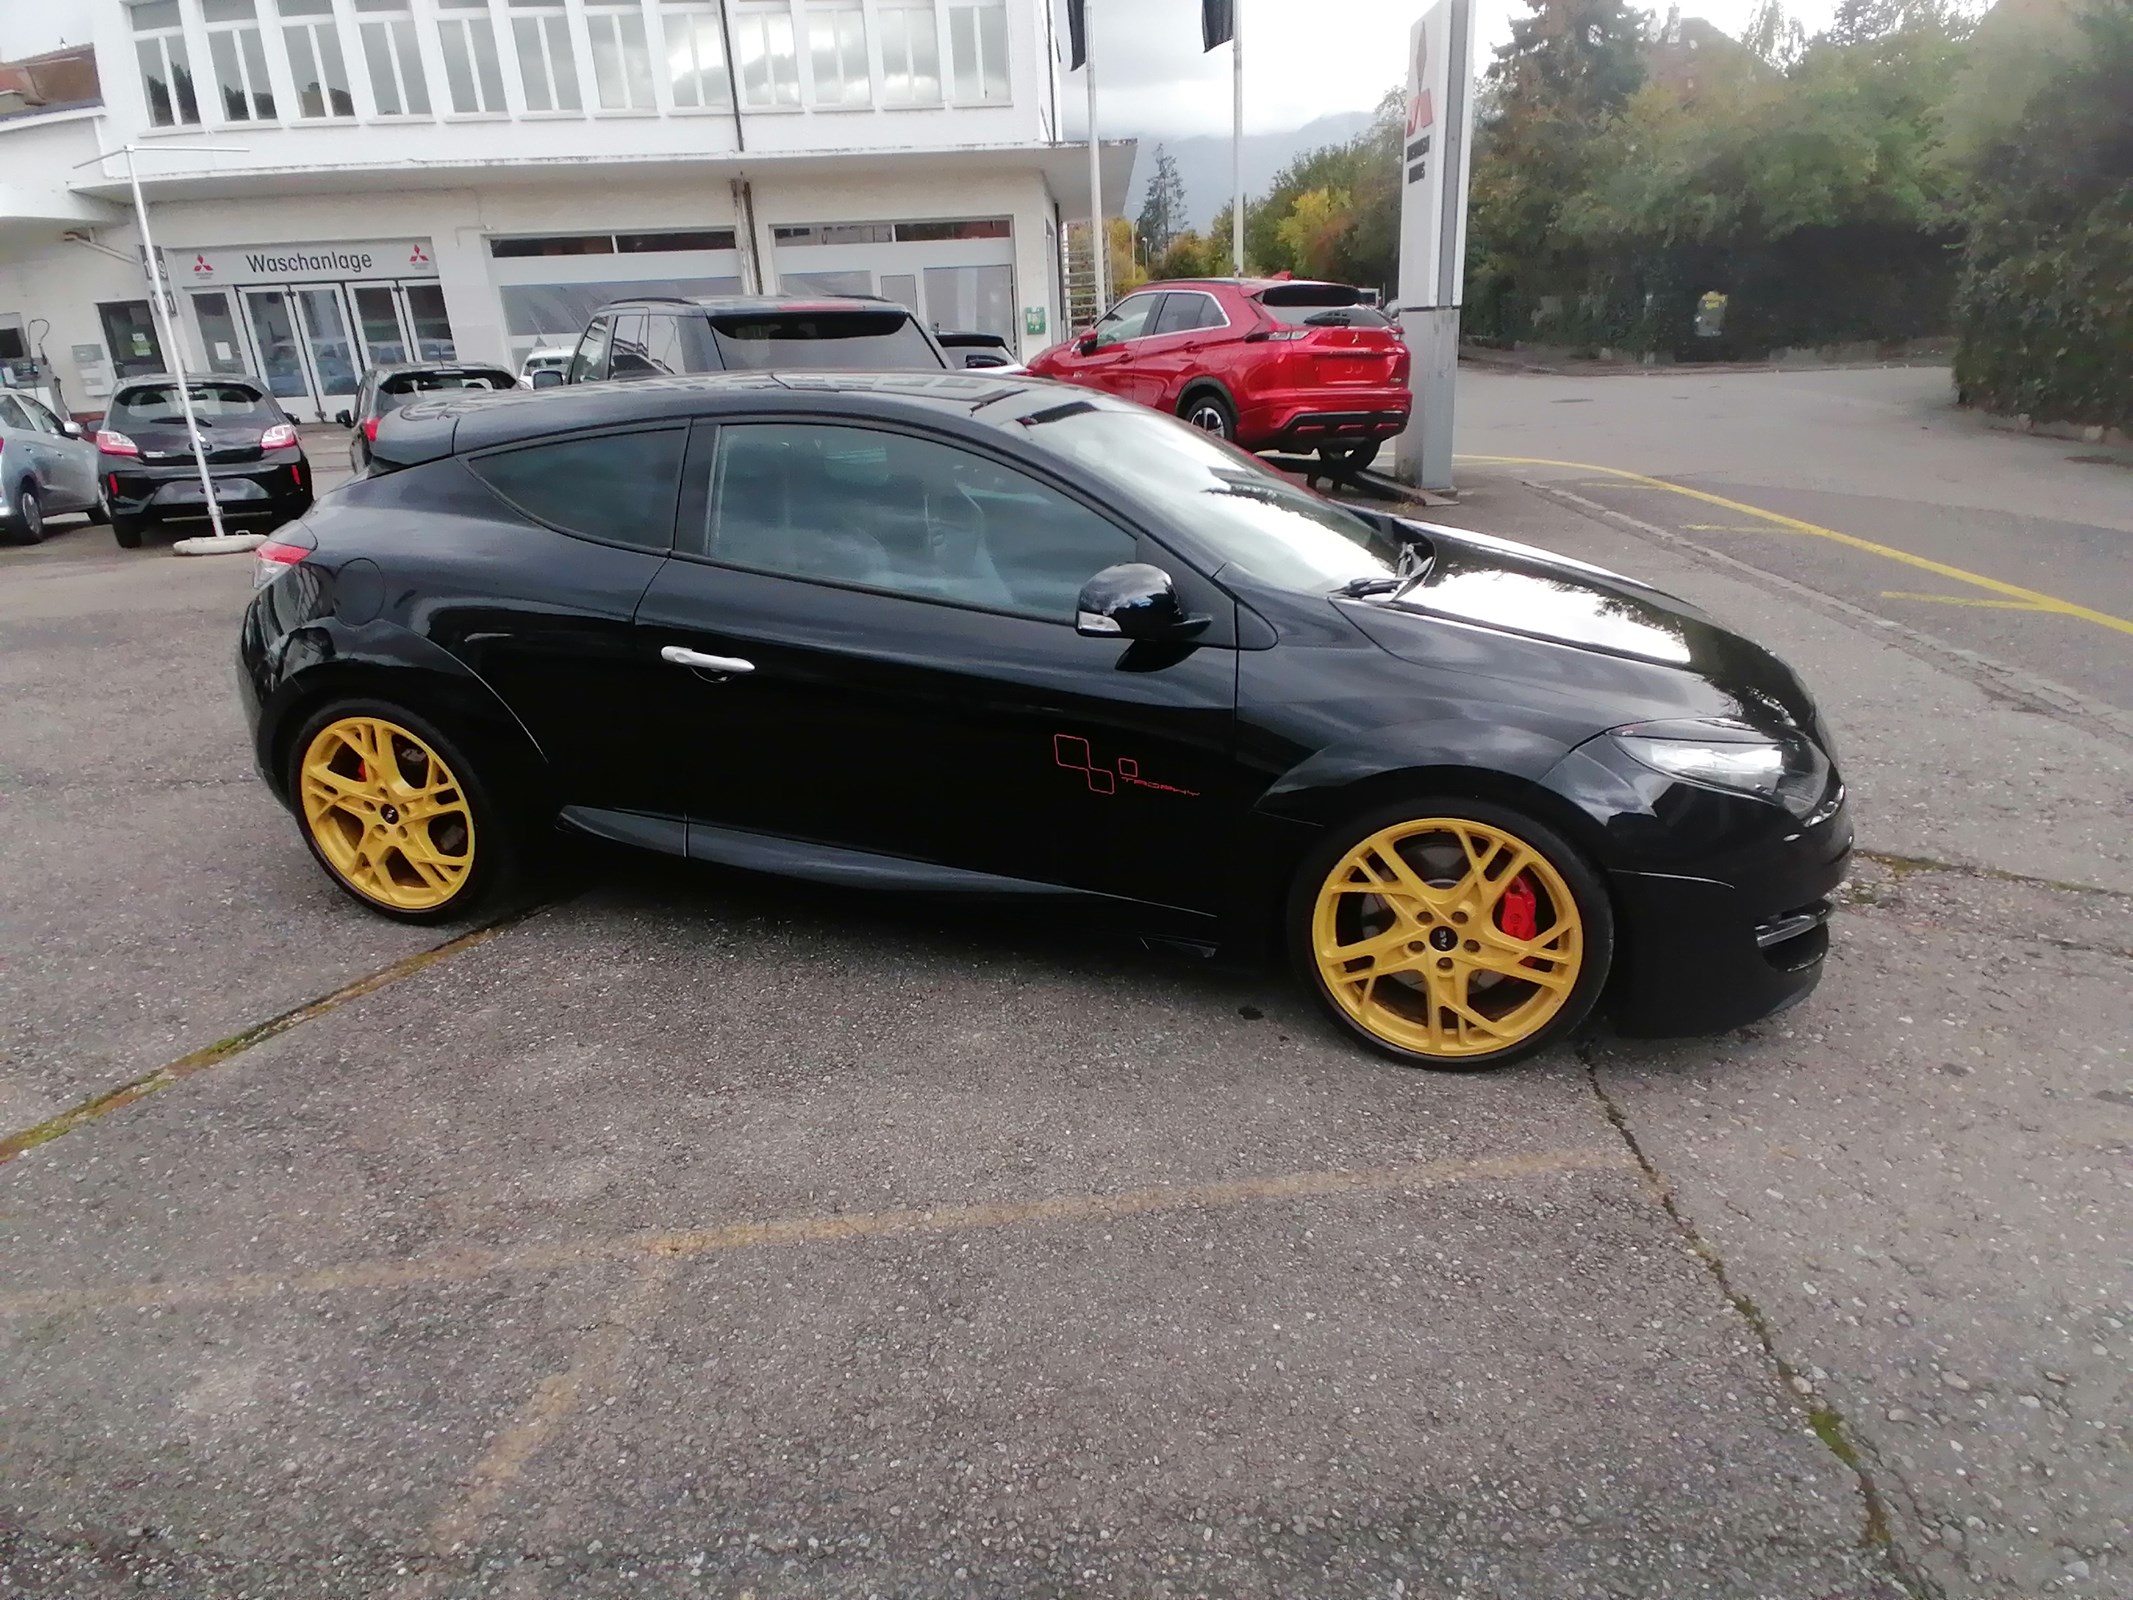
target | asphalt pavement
x=694, y=1234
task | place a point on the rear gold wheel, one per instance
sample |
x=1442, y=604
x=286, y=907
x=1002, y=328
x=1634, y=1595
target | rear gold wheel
x=386, y=814
x=1453, y=934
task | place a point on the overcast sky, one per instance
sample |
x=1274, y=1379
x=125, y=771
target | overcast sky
x=1302, y=58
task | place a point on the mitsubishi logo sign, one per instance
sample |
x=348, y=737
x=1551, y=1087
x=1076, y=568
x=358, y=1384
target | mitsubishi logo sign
x=418, y=257
x=202, y=268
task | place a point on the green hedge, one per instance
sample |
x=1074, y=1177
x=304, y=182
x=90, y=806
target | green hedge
x=2047, y=321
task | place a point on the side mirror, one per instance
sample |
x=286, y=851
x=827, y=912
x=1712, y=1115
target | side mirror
x=1133, y=601
x=345, y=419
x=70, y=428
x=1086, y=344
x=548, y=378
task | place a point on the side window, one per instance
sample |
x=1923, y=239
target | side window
x=40, y=419
x=590, y=362
x=1180, y=314
x=662, y=343
x=626, y=357
x=911, y=516
x=619, y=487
x=12, y=415
x=1128, y=319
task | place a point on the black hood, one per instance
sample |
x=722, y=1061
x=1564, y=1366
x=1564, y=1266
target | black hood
x=1519, y=591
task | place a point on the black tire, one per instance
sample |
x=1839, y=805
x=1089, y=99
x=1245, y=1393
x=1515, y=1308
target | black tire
x=496, y=843
x=1349, y=457
x=29, y=513
x=1558, y=867
x=127, y=530
x=1206, y=410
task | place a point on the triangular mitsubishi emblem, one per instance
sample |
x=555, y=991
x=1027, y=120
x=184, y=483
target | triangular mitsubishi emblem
x=418, y=257
x=200, y=264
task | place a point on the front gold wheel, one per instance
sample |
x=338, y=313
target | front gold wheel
x=1449, y=938
x=386, y=814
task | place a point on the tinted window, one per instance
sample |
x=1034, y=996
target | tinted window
x=625, y=356
x=411, y=383
x=212, y=402
x=1321, y=305
x=912, y=516
x=837, y=340
x=591, y=359
x=1182, y=313
x=1128, y=319
x=617, y=486
x=12, y=415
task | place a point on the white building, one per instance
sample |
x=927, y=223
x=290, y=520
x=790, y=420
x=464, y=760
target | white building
x=403, y=178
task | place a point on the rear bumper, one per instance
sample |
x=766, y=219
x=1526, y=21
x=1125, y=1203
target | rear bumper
x=1308, y=418
x=274, y=488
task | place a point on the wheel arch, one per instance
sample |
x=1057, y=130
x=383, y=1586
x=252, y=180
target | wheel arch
x=1206, y=383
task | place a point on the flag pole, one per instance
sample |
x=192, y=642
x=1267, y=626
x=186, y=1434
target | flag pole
x=1236, y=57
x=1099, y=241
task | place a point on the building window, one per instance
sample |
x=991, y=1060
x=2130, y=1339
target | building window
x=546, y=64
x=696, y=55
x=910, y=53
x=239, y=58
x=387, y=29
x=314, y=45
x=837, y=49
x=468, y=40
x=977, y=50
x=770, y=66
x=622, y=60
x=166, y=74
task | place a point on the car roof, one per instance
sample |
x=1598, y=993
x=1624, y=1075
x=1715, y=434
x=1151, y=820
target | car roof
x=387, y=369
x=449, y=424
x=1247, y=285
x=743, y=304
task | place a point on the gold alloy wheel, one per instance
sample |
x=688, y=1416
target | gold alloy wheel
x=387, y=814
x=1447, y=937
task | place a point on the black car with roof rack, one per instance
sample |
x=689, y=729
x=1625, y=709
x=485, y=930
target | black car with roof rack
x=977, y=633
x=659, y=336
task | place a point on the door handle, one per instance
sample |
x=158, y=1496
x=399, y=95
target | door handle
x=682, y=656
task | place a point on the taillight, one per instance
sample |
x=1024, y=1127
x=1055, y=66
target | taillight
x=370, y=428
x=1276, y=335
x=115, y=444
x=279, y=554
x=279, y=437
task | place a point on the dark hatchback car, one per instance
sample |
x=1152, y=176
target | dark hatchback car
x=390, y=387
x=254, y=460
x=1002, y=637
x=656, y=338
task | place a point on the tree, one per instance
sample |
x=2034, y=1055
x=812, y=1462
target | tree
x=1123, y=257
x=1311, y=233
x=1163, y=212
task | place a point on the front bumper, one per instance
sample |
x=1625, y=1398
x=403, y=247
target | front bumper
x=274, y=488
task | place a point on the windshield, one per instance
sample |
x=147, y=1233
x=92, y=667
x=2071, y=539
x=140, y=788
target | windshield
x=157, y=403
x=824, y=340
x=1256, y=518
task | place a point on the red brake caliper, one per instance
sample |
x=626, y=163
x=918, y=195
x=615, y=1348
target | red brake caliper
x=1518, y=912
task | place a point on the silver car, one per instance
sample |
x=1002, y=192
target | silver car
x=46, y=466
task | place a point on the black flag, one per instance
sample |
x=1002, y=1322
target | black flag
x=1218, y=23
x=1077, y=36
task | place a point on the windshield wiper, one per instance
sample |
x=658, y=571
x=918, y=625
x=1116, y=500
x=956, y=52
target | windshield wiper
x=1411, y=569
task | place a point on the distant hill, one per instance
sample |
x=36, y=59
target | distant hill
x=1204, y=161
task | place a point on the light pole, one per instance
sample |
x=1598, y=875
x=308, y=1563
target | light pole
x=164, y=309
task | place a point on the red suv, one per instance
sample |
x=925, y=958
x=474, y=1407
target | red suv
x=1275, y=364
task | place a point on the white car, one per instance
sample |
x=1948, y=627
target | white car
x=549, y=358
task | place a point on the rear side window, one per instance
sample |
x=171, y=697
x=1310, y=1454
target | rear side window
x=616, y=487
x=1183, y=312
x=839, y=340
x=156, y=403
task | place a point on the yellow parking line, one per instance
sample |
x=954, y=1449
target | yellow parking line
x=468, y=1263
x=2033, y=598
x=1962, y=600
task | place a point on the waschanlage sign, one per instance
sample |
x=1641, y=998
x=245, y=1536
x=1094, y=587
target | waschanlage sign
x=202, y=268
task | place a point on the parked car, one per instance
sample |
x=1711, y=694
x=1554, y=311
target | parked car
x=1278, y=364
x=655, y=338
x=551, y=359
x=46, y=465
x=254, y=458
x=387, y=388
x=987, y=350
x=944, y=633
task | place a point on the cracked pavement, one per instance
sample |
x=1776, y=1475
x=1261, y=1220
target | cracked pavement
x=698, y=1235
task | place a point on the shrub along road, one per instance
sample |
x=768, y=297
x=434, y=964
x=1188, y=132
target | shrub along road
x=694, y=1235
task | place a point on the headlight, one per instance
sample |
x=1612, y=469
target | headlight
x=1786, y=769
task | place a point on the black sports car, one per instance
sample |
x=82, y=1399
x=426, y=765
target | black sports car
x=992, y=635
